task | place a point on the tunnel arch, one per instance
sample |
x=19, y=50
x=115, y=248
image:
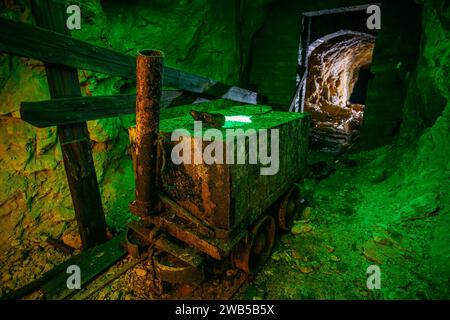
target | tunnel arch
x=334, y=65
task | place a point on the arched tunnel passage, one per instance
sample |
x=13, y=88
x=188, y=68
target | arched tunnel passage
x=338, y=74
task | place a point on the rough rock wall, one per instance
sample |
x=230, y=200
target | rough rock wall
x=427, y=112
x=429, y=85
x=197, y=36
x=397, y=48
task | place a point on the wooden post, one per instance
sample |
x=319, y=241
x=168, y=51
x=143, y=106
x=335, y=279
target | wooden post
x=149, y=72
x=74, y=138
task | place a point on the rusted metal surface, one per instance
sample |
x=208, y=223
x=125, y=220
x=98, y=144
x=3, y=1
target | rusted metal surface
x=179, y=230
x=149, y=72
x=199, y=225
x=289, y=206
x=186, y=254
x=253, y=193
x=251, y=252
x=201, y=189
x=145, y=240
x=153, y=236
x=227, y=196
x=216, y=120
x=170, y=269
x=210, y=207
x=131, y=245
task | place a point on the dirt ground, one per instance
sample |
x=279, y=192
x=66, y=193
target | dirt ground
x=351, y=222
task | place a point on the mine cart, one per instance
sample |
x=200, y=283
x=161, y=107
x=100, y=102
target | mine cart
x=193, y=216
x=222, y=211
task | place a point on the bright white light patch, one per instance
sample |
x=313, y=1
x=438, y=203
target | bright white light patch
x=236, y=121
x=244, y=119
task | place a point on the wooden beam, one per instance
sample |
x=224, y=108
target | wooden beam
x=91, y=262
x=59, y=48
x=74, y=138
x=79, y=109
x=339, y=10
x=105, y=279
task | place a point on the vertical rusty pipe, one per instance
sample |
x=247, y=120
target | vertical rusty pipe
x=149, y=74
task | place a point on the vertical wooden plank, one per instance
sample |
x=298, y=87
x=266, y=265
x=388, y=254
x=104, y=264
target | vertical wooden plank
x=74, y=138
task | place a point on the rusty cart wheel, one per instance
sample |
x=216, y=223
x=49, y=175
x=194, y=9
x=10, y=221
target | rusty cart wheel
x=251, y=252
x=174, y=271
x=289, y=206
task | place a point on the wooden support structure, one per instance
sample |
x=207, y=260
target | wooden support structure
x=149, y=70
x=79, y=109
x=58, y=48
x=74, y=138
x=296, y=97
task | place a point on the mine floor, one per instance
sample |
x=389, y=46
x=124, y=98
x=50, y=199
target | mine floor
x=351, y=222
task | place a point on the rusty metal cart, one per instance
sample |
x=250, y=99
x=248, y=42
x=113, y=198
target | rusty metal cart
x=227, y=212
